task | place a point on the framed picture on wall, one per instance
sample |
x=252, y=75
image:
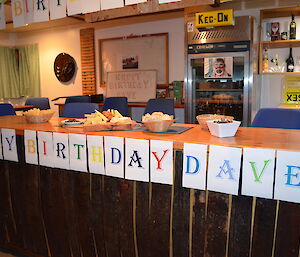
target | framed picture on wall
x=141, y=52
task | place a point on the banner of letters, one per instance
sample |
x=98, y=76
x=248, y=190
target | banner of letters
x=152, y=161
x=28, y=11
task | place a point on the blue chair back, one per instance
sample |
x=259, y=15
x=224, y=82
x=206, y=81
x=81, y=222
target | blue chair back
x=78, y=99
x=6, y=109
x=277, y=118
x=78, y=110
x=38, y=102
x=116, y=103
x=160, y=105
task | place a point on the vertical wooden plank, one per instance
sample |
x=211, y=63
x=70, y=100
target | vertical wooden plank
x=263, y=231
x=216, y=225
x=142, y=214
x=97, y=209
x=125, y=213
x=288, y=230
x=111, y=216
x=240, y=226
x=81, y=203
x=53, y=208
x=70, y=214
x=198, y=223
x=181, y=215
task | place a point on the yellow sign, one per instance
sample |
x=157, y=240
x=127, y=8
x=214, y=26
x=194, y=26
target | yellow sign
x=291, y=92
x=214, y=19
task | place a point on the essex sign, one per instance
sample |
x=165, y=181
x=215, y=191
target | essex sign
x=214, y=19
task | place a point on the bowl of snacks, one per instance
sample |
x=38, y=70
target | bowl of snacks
x=157, y=121
x=203, y=118
x=223, y=127
x=36, y=115
x=107, y=120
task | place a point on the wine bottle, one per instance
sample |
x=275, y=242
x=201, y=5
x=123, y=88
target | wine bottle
x=290, y=62
x=265, y=61
x=293, y=28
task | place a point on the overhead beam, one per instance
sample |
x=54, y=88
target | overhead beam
x=151, y=6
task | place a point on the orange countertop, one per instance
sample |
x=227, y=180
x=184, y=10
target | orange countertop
x=284, y=139
x=132, y=104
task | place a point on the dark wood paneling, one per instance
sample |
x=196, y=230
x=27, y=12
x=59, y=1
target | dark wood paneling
x=216, y=224
x=240, y=226
x=288, y=230
x=263, y=232
x=181, y=209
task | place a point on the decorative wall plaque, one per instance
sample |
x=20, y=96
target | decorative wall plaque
x=64, y=67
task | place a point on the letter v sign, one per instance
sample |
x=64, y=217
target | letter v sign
x=257, y=177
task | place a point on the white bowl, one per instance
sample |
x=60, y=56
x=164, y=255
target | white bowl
x=223, y=129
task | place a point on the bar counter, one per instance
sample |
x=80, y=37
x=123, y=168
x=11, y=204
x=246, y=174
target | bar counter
x=63, y=213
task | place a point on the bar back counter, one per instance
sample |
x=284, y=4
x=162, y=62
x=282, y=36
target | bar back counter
x=63, y=213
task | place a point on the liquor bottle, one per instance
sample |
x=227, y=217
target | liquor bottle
x=293, y=28
x=290, y=62
x=265, y=61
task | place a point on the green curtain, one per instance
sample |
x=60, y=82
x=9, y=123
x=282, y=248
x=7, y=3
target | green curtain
x=19, y=71
x=9, y=74
x=29, y=70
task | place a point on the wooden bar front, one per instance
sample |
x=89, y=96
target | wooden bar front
x=61, y=213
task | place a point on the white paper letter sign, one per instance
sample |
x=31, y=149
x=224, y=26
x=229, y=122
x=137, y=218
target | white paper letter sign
x=1, y=147
x=287, y=176
x=161, y=162
x=78, y=157
x=91, y=6
x=110, y=4
x=74, y=7
x=30, y=143
x=224, y=169
x=194, y=166
x=96, y=154
x=258, y=172
x=9, y=142
x=45, y=145
x=114, y=156
x=18, y=13
x=40, y=10
x=2, y=17
x=167, y=1
x=129, y=2
x=137, y=159
x=61, y=150
x=58, y=9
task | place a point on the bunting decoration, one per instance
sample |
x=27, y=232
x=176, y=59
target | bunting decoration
x=2, y=16
x=265, y=173
x=58, y=9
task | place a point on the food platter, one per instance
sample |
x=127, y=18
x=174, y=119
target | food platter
x=72, y=122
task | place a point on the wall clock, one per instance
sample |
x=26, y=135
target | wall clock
x=64, y=67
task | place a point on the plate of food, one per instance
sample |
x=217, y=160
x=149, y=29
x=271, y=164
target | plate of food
x=72, y=122
x=158, y=121
x=107, y=120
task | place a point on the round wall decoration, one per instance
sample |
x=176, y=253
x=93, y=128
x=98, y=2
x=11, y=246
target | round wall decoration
x=64, y=67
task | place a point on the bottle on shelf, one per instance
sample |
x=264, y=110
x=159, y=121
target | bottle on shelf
x=290, y=62
x=265, y=61
x=293, y=28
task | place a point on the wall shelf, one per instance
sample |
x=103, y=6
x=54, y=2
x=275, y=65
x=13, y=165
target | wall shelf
x=276, y=13
x=219, y=90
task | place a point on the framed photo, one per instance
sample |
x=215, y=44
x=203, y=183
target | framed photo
x=135, y=52
x=218, y=67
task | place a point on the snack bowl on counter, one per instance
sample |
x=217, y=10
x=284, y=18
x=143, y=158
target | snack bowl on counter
x=203, y=118
x=223, y=128
x=157, y=121
x=158, y=125
x=36, y=115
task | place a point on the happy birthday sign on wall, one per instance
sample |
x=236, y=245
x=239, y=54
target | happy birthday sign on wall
x=152, y=161
x=28, y=11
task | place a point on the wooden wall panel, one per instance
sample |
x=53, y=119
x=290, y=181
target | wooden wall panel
x=88, y=63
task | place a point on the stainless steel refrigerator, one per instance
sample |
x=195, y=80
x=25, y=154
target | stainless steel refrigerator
x=219, y=73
